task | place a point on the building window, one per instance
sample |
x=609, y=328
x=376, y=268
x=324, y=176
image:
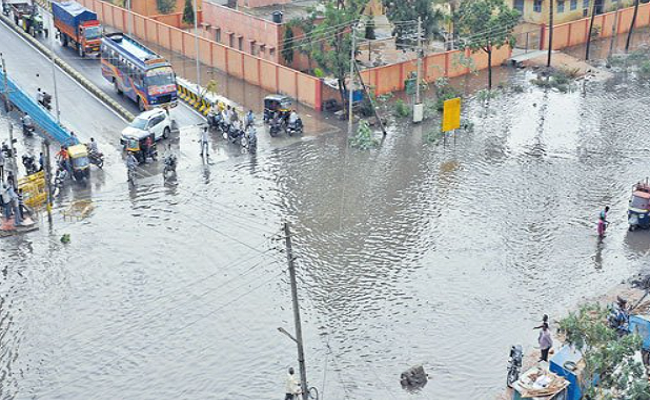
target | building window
x=560, y=6
x=231, y=40
x=240, y=43
x=253, y=48
x=574, y=5
x=519, y=6
x=272, y=53
x=537, y=6
x=217, y=35
x=262, y=50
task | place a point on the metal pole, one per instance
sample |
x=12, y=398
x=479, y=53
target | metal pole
x=419, y=71
x=128, y=6
x=614, y=29
x=351, y=85
x=296, y=313
x=14, y=165
x=48, y=178
x=6, y=83
x=196, y=45
x=56, y=92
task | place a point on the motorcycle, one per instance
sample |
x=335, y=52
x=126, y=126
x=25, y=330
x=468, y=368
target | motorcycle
x=251, y=135
x=30, y=164
x=275, y=127
x=215, y=120
x=28, y=126
x=96, y=158
x=236, y=135
x=169, y=170
x=514, y=364
x=46, y=101
x=294, y=128
x=59, y=177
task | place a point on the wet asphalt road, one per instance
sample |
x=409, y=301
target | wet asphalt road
x=416, y=252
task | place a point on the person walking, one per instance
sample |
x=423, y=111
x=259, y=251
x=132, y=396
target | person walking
x=2, y=165
x=41, y=162
x=6, y=202
x=204, y=142
x=292, y=388
x=15, y=204
x=603, y=222
x=545, y=341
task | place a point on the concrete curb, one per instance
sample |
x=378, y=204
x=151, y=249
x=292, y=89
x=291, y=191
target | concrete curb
x=190, y=93
x=97, y=92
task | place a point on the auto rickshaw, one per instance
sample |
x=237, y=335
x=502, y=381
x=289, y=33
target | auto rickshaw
x=137, y=144
x=79, y=163
x=638, y=212
x=276, y=102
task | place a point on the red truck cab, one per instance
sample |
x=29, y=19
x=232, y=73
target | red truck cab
x=77, y=25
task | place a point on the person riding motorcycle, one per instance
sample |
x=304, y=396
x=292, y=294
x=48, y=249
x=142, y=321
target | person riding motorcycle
x=92, y=147
x=250, y=118
x=28, y=124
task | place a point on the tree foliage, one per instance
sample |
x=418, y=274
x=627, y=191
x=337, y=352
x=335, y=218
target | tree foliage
x=606, y=356
x=188, y=12
x=166, y=6
x=288, y=44
x=485, y=25
x=363, y=138
x=404, y=14
x=331, y=40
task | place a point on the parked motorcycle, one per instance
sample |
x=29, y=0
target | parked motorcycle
x=514, y=364
x=28, y=125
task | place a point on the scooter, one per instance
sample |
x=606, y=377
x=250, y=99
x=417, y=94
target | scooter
x=96, y=158
x=170, y=167
x=214, y=120
x=295, y=128
x=251, y=135
x=28, y=126
x=275, y=127
x=236, y=135
x=59, y=178
x=514, y=364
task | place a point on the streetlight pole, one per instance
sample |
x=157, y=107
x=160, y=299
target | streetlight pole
x=56, y=92
x=128, y=26
x=196, y=46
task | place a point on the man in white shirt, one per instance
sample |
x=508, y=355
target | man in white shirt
x=292, y=388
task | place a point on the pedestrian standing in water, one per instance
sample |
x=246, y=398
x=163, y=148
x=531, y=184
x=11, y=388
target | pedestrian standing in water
x=6, y=202
x=292, y=388
x=41, y=161
x=545, y=341
x=204, y=142
x=602, y=222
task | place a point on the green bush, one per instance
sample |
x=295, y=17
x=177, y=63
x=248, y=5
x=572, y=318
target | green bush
x=363, y=138
x=644, y=69
x=401, y=110
x=444, y=91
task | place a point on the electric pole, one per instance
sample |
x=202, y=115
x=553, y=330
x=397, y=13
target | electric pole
x=6, y=83
x=48, y=178
x=418, y=109
x=351, y=84
x=419, y=70
x=296, y=313
x=128, y=6
x=14, y=165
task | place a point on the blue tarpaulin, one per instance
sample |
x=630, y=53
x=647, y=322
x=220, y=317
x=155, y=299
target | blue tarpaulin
x=41, y=116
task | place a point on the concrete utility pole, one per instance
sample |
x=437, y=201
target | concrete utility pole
x=14, y=165
x=417, y=107
x=296, y=313
x=196, y=46
x=614, y=31
x=48, y=178
x=6, y=83
x=351, y=84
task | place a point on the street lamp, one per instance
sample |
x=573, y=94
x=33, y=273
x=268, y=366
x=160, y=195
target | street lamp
x=56, y=92
x=196, y=46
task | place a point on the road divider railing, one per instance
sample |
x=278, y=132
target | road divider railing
x=201, y=100
x=97, y=92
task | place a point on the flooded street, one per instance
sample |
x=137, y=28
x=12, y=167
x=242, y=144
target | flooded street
x=416, y=252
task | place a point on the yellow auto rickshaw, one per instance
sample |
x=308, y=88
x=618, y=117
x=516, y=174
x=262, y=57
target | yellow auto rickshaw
x=79, y=162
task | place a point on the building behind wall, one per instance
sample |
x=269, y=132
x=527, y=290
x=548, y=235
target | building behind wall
x=536, y=11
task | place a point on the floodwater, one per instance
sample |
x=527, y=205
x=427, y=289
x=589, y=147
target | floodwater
x=442, y=254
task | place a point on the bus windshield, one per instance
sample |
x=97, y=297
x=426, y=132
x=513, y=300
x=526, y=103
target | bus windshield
x=92, y=32
x=159, y=79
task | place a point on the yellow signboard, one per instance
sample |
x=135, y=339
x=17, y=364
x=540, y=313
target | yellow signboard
x=451, y=115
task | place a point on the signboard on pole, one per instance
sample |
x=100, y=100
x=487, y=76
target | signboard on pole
x=451, y=115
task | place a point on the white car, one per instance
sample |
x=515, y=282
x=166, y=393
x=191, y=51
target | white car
x=155, y=121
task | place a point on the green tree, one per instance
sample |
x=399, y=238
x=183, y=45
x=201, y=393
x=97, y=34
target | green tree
x=188, y=12
x=288, y=44
x=331, y=40
x=606, y=356
x=405, y=14
x=485, y=25
x=165, y=6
